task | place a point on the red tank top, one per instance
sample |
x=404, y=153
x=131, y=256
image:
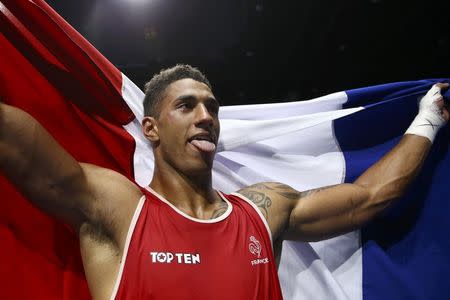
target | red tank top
x=170, y=255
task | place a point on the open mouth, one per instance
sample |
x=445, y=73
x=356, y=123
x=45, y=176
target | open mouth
x=203, y=142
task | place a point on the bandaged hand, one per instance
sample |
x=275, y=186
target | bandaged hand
x=432, y=113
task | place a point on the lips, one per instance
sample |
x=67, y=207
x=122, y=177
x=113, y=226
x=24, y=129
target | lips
x=203, y=142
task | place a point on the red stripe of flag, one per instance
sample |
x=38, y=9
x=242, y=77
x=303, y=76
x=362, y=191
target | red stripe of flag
x=52, y=72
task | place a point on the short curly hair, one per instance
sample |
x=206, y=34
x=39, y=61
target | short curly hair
x=155, y=88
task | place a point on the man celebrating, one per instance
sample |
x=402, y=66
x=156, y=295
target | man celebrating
x=178, y=237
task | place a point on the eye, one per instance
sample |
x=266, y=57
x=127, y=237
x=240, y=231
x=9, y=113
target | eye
x=184, y=106
x=213, y=108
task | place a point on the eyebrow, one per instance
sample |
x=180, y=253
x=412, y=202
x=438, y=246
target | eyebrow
x=192, y=97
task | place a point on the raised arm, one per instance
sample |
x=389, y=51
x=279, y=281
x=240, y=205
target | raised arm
x=50, y=177
x=324, y=213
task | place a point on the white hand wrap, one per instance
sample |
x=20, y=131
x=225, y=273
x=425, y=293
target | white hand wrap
x=429, y=119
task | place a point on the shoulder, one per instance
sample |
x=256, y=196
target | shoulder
x=275, y=201
x=113, y=199
x=108, y=184
x=267, y=192
x=96, y=174
x=273, y=187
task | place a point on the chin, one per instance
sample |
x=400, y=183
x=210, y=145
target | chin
x=198, y=167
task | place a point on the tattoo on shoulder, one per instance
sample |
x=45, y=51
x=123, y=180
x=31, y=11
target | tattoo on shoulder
x=260, y=199
x=220, y=210
x=256, y=193
x=313, y=191
x=279, y=188
x=286, y=191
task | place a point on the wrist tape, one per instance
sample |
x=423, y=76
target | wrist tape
x=429, y=119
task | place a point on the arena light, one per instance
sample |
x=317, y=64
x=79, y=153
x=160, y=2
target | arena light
x=138, y=1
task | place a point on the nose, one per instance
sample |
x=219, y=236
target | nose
x=203, y=116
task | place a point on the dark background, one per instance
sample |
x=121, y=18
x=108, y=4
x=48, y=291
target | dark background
x=270, y=51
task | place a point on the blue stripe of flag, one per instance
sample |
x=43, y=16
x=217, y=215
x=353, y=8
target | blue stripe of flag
x=406, y=251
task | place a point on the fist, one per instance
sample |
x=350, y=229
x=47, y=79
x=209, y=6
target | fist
x=433, y=102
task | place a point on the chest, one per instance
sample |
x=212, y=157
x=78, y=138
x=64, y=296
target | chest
x=168, y=242
x=174, y=256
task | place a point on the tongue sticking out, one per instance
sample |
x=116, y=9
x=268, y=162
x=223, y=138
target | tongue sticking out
x=204, y=146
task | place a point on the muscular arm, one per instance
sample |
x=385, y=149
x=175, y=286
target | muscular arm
x=50, y=177
x=324, y=213
x=347, y=207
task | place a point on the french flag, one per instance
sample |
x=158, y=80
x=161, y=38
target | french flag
x=94, y=111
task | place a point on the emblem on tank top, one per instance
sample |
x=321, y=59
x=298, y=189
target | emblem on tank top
x=255, y=248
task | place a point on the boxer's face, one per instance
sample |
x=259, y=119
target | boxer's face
x=186, y=132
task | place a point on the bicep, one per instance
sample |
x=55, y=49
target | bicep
x=324, y=213
x=38, y=166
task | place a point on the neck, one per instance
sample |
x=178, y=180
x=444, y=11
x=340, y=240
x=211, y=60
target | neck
x=192, y=194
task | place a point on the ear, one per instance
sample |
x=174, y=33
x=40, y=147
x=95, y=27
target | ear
x=150, y=129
